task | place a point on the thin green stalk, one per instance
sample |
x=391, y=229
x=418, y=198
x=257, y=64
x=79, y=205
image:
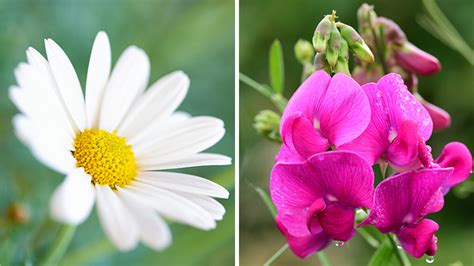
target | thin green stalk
x=60, y=245
x=399, y=253
x=266, y=199
x=323, y=259
x=278, y=100
x=276, y=255
x=88, y=253
x=368, y=237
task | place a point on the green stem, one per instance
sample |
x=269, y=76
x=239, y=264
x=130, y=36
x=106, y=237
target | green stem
x=323, y=259
x=89, y=253
x=368, y=237
x=59, y=246
x=278, y=100
x=400, y=253
x=276, y=255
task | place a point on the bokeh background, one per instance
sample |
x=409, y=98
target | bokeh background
x=453, y=89
x=195, y=36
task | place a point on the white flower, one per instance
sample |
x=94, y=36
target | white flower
x=109, y=144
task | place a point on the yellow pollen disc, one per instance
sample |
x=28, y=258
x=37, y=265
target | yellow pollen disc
x=106, y=157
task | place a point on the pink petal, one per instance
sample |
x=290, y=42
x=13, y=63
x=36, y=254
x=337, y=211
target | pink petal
x=373, y=142
x=337, y=176
x=402, y=154
x=312, y=222
x=456, y=155
x=401, y=105
x=404, y=199
x=341, y=176
x=337, y=222
x=306, y=139
x=307, y=97
x=344, y=112
x=306, y=245
x=419, y=239
x=288, y=155
x=287, y=181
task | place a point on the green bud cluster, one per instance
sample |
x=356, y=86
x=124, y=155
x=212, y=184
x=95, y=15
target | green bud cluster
x=334, y=42
x=267, y=123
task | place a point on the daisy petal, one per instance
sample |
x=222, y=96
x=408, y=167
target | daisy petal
x=154, y=232
x=127, y=81
x=212, y=206
x=187, y=138
x=97, y=77
x=171, y=205
x=199, y=159
x=161, y=99
x=67, y=82
x=73, y=200
x=183, y=183
x=116, y=220
x=47, y=148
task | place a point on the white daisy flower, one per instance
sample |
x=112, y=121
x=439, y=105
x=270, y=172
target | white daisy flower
x=110, y=143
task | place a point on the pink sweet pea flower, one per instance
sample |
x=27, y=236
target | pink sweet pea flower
x=398, y=129
x=402, y=201
x=456, y=155
x=316, y=199
x=323, y=112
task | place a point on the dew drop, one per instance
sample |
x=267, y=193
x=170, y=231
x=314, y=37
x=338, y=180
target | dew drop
x=430, y=259
x=379, y=94
x=339, y=243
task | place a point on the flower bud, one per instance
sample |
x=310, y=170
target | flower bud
x=441, y=118
x=322, y=34
x=332, y=51
x=366, y=16
x=415, y=60
x=356, y=43
x=304, y=51
x=342, y=65
x=267, y=123
x=391, y=31
x=321, y=63
x=366, y=74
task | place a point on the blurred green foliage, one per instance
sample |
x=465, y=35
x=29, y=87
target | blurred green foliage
x=452, y=89
x=195, y=36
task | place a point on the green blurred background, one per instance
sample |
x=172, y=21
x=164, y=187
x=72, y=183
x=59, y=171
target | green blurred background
x=195, y=36
x=453, y=89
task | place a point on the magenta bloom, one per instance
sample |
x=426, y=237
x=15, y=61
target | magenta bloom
x=417, y=61
x=323, y=112
x=456, y=155
x=398, y=129
x=402, y=201
x=316, y=199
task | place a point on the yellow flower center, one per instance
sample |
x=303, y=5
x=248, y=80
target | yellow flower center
x=106, y=157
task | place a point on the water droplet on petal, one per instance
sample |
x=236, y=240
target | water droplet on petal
x=339, y=243
x=430, y=259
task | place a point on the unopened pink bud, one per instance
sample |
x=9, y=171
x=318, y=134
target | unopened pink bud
x=414, y=60
x=391, y=31
x=441, y=118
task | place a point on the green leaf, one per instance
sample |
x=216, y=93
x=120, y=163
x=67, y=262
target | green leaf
x=277, y=75
x=382, y=255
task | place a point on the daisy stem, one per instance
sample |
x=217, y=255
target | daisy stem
x=400, y=253
x=59, y=246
